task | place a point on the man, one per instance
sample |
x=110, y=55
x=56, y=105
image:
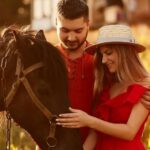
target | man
x=72, y=25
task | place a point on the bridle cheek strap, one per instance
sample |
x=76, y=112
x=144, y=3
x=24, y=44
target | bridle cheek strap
x=51, y=140
x=21, y=74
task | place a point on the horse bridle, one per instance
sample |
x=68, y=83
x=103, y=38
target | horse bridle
x=21, y=74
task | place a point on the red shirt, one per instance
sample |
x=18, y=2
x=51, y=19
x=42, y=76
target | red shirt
x=81, y=80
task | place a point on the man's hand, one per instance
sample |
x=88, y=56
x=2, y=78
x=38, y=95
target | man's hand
x=146, y=99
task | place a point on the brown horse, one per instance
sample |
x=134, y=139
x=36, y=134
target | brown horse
x=34, y=88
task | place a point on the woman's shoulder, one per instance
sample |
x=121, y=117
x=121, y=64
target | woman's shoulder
x=145, y=83
x=136, y=90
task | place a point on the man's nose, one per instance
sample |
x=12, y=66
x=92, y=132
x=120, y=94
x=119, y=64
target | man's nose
x=71, y=36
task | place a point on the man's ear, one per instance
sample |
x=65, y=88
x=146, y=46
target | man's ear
x=40, y=35
x=88, y=22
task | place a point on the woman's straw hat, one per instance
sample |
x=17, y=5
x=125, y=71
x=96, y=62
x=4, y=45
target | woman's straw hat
x=115, y=34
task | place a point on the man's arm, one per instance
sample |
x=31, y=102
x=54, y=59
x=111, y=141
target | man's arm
x=145, y=100
x=90, y=141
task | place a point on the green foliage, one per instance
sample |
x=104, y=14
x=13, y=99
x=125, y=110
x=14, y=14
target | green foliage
x=20, y=139
x=2, y=140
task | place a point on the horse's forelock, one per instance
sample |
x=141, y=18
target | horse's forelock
x=14, y=32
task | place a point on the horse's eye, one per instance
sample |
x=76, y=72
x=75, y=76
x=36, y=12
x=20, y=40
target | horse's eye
x=43, y=89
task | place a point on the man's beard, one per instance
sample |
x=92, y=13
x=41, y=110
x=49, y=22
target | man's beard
x=69, y=45
x=73, y=46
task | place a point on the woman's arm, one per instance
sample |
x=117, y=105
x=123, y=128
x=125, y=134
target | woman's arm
x=126, y=131
x=90, y=141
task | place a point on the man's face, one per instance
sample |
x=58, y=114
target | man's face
x=72, y=33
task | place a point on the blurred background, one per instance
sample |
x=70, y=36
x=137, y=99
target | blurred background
x=40, y=14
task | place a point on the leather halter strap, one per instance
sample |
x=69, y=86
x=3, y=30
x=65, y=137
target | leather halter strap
x=35, y=99
x=21, y=78
x=27, y=86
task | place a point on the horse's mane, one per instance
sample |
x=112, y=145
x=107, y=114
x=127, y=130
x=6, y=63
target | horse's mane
x=53, y=60
x=7, y=38
x=50, y=55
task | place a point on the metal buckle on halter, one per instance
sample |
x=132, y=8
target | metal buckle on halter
x=51, y=140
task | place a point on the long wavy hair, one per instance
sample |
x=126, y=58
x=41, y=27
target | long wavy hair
x=130, y=68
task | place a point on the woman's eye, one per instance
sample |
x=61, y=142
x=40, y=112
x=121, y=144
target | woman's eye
x=108, y=53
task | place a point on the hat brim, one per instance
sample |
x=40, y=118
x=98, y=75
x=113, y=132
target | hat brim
x=93, y=48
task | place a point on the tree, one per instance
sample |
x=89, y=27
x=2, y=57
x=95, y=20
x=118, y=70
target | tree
x=14, y=11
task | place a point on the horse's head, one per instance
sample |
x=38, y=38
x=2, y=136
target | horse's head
x=34, y=85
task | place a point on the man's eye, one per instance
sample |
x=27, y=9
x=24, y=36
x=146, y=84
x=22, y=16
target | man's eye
x=78, y=31
x=65, y=30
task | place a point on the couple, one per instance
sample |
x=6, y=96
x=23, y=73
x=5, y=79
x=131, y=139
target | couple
x=120, y=82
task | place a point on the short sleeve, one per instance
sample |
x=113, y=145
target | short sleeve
x=136, y=93
x=132, y=95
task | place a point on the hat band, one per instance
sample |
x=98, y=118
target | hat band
x=116, y=39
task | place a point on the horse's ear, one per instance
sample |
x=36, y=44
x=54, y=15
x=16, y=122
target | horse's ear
x=16, y=38
x=15, y=35
x=40, y=35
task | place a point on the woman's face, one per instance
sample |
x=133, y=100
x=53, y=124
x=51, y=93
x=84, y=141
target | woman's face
x=109, y=58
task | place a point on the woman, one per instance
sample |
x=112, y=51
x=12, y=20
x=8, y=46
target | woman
x=120, y=82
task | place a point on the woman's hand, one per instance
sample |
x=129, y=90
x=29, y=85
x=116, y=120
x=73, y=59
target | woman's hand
x=75, y=119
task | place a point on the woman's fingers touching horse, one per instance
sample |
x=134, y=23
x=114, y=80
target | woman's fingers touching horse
x=67, y=120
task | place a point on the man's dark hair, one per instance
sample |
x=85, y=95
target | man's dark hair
x=72, y=9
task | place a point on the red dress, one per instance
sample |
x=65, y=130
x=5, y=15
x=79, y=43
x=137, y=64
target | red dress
x=81, y=80
x=117, y=110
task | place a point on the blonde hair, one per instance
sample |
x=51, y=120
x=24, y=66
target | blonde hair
x=130, y=68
